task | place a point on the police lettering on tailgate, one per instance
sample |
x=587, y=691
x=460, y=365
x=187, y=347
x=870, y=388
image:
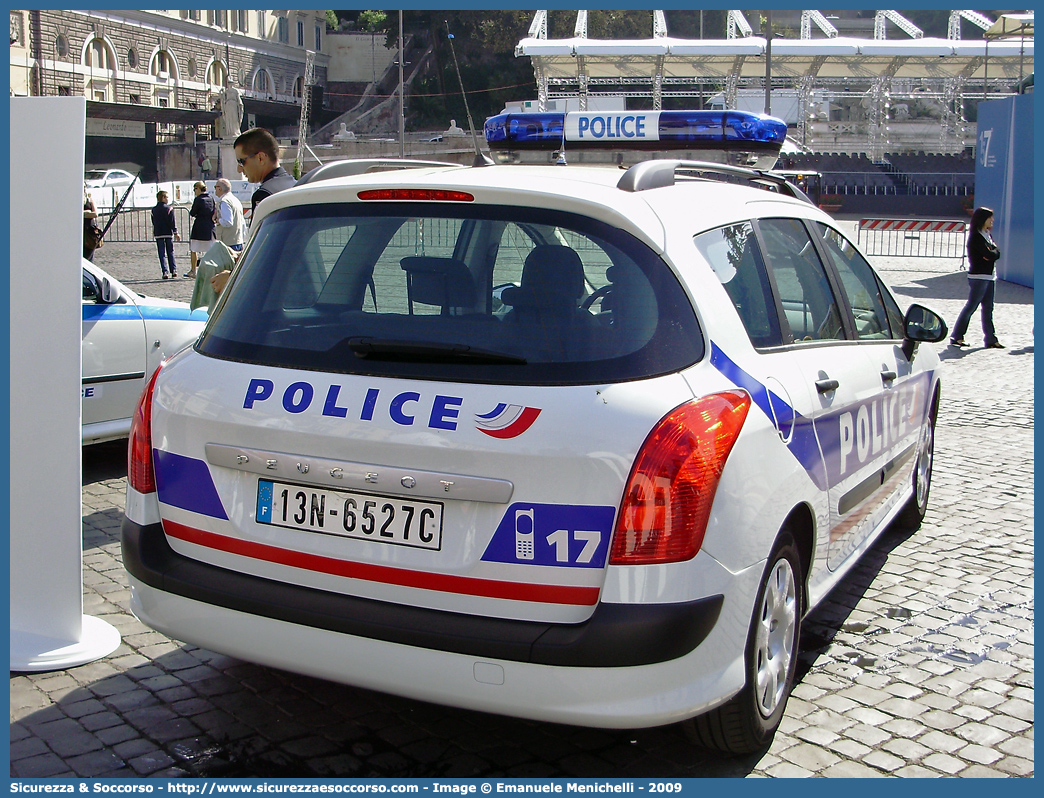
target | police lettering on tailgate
x=406, y=408
x=552, y=534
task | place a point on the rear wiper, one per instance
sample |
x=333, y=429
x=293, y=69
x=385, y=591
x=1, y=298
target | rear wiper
x=381, y=349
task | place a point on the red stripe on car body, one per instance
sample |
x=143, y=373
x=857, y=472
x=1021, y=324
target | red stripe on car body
x=446, y=583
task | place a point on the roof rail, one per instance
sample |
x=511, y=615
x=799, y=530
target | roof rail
x=361, y=166
x=660, y=173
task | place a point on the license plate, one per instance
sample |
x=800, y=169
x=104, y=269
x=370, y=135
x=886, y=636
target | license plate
x=385, y=519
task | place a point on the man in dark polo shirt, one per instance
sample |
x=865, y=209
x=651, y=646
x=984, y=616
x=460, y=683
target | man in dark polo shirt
x=257, y=153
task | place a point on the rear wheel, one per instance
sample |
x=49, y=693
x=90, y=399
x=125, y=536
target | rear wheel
x=747, y=722
x=913, y=513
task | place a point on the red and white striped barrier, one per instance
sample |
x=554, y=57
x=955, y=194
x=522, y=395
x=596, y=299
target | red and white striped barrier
x=913, y=225
x=943, y=238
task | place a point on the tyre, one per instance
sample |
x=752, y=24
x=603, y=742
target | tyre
x=912, y=514
x=747, y=722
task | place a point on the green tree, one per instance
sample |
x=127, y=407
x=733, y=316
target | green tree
x=332, y=23
x=485, y=45
x=373, y=21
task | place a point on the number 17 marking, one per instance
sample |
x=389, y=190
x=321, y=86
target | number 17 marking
x=560, y=541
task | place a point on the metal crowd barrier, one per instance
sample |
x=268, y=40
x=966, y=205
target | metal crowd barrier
x=913, y=238
x=135, y=226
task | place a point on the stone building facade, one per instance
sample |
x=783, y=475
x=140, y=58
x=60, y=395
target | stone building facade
x=178, y=59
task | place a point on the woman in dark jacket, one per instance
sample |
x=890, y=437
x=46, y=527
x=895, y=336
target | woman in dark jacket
x=983, y=255
x=202, y=234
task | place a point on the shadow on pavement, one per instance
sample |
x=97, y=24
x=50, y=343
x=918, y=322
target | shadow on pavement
x=955, y=286
x=103, y=473
x=959, y=353
x=103, y=461
x=192, y=713
x=822, y=626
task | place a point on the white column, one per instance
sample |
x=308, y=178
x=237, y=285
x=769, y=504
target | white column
x=48, y=628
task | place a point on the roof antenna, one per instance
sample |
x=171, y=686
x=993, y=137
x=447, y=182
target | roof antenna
x=480, y=159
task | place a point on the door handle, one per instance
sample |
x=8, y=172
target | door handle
x=826, y=386
x=888, y=376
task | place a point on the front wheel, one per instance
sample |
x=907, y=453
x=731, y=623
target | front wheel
x=913, y=513
x=747, y=722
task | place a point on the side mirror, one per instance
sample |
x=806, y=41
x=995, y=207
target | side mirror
x=921, y=324
x=110, y=294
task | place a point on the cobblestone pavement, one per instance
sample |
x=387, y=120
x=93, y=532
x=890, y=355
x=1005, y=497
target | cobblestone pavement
x=921, y=664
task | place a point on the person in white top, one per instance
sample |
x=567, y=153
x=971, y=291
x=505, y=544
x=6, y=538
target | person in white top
x=983, y=255
x=230, y=226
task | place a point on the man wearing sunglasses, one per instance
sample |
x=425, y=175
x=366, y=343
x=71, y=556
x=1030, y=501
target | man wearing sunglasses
x=257, y=153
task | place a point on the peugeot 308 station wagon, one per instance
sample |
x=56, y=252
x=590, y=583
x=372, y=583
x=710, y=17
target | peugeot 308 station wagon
x=578, y=443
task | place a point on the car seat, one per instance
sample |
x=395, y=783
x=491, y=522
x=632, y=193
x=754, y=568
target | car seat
x=552, y=284
x=445, y=282
x=546, y=305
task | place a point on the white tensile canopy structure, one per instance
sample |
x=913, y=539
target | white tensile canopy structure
x=879, y=71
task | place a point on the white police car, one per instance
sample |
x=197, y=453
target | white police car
x=125, y=337
x=572, y=443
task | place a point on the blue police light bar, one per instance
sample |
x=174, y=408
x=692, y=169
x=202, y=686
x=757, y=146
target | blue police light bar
x=636, y=130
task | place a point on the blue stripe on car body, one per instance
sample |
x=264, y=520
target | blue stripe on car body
x=890, y=415
x=803, y=442
x=110, y=312
x=121, y=312
x=172, y=313
x=186, y=482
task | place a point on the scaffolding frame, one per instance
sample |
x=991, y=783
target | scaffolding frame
x=664, y=67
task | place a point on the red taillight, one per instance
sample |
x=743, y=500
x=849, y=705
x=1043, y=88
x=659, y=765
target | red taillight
x=663, y=516
x=416, y=195
x=140, y=472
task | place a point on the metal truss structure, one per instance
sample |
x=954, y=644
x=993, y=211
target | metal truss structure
x=306, y=101
x=872, y=76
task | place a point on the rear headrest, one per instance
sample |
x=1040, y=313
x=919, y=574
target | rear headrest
x=446, y=282
x=552, y=280
x=554, y=269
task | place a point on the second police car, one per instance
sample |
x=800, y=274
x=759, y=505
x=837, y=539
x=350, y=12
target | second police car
x=125, y=336
x=574, y=443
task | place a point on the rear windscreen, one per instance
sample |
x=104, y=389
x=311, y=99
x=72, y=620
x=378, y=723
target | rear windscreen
x=457, y=292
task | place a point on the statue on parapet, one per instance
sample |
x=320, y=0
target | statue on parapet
x=344, y=134
x=231, y=112
x=453, y=129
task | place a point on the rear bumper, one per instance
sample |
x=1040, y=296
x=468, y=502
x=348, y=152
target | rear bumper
x=616, y=635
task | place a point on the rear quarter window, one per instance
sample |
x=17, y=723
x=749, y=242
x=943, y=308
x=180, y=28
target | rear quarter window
x=732, y=254
x=446, y=291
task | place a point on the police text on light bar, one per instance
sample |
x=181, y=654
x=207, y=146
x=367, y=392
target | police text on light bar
x=660, y=129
